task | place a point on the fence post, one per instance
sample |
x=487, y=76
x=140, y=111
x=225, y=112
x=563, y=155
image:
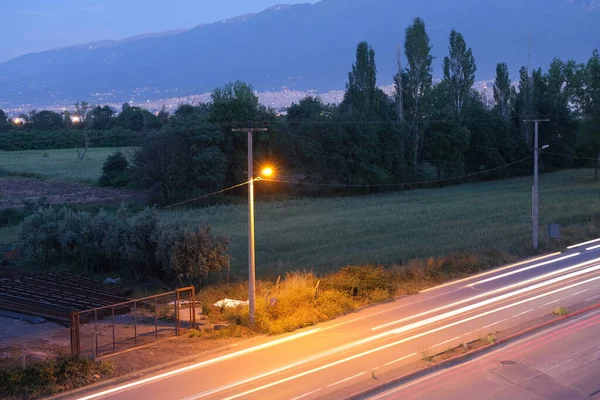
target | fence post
x=74, y=325
x=95, y=334
x=155, y=318
x=134, y=322
x=317, y=290
x=177, y=312
x=190, y=310
x=193, y=305
x=113, y=328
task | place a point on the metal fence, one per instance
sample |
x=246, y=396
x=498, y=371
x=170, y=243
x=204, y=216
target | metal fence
x=134, y=323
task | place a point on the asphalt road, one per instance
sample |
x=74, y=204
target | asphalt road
x=332, y=359
x=562, y=362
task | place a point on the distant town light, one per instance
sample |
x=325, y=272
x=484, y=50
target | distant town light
x=19, y=121
x=75, y=119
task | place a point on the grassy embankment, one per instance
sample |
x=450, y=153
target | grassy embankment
x=60, y=164
x=423, y=237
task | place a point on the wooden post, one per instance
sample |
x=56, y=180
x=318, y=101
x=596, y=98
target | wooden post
x=597, y=167
x=74, y=327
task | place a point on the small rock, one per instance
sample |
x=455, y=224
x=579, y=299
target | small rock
x=219, y=327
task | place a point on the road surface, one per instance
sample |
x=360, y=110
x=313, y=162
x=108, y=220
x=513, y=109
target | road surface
x=333, y=359
x=562, y=362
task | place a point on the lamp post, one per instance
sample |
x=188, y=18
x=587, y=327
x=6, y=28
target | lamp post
x=251, y=259
x=536, y=153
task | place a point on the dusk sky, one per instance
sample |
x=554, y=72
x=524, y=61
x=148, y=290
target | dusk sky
x=36, y=25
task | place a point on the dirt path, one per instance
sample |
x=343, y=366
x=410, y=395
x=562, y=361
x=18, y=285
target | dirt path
x=15, y=192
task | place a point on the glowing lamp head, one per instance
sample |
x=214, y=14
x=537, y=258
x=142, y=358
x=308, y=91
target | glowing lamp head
x=267, y=172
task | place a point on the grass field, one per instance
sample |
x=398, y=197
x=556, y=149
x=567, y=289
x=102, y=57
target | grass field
x=324, y=234
x=57, y=164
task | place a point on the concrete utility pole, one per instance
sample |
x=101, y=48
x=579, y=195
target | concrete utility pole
x=251, y=259
x=536, y=152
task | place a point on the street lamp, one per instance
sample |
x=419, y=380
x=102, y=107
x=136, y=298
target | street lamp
x=251, y=259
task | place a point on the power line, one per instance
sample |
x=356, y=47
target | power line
x=570, y=156
x=211, y=194
x=404, y=183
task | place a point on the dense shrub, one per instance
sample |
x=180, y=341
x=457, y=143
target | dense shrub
x=115, y=171
x=361, y=281
x=190, y=255
x=178, y=162
x=135, y=245
x=49, y=377
x=22, y=139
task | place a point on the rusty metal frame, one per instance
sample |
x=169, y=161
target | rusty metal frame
x=75, y=318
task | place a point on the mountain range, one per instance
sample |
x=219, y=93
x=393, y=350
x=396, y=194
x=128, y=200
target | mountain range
x=300, y=47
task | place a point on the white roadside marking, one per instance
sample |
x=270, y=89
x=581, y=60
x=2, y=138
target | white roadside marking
x=495, y=323
x=306, y=394
x=493, y=278
x=524, y=312
x=346, y=380
x=494, y=271
x=584, y=243
x=566, y=297
x=399, y=359
x=269, y=385
x=592, y=298
x=551, y=302
x=502, y=289
x=198, y=365
x=444, y=342
x=593, y=248
x=575, y=294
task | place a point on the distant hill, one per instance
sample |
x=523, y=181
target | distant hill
x=300, y=47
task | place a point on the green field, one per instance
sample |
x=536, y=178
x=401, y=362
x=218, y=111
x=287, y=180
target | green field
x=324, y=234
x=58, y=164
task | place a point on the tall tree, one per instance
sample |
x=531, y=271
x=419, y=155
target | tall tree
x=101, y=117
x=589, y=95
x=362, y=97
x=459, y=70
x=3, y=120
x=232, y=106
x=417, y=83
x=524, y=104
x=503, y=91
x=47, y=120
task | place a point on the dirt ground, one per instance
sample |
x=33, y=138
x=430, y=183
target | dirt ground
x=48, y=339
x=43, y=340
x=16, y=191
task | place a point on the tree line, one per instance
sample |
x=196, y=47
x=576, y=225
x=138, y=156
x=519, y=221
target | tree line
x=425, y=131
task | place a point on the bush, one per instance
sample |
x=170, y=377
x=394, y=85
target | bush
x=189, y=256
x=178, y=162
x=136, y=245
x=295, y=306
x=50, y=377
x=25, y=139
x=362, y=282
x=115, y=171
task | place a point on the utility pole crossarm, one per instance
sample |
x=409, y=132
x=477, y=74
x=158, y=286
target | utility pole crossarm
x=250, y=130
